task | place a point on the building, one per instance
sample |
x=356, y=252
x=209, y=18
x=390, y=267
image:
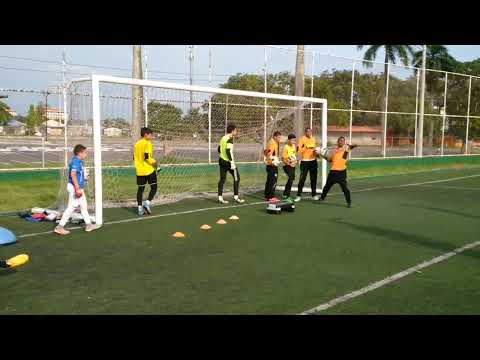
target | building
x=55, y=114
x=12, y=113
x=54, y=128
x=14, y=127
x=112, y=131
x=361, y=135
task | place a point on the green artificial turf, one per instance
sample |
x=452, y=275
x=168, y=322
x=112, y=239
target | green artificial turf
x=261, y=264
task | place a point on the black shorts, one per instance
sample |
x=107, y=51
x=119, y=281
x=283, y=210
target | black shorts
x=150, y=179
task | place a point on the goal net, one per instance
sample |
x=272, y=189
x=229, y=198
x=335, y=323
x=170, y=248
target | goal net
x=188, y=122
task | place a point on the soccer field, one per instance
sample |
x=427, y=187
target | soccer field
x=264, y=264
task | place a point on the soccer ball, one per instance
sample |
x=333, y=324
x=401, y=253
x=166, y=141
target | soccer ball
x=324, y=153
x=275, y=161
x=293, y=160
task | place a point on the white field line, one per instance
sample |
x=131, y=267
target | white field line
x=388, y=280
x=249, y=204
x=452, y=187
x=152, y=217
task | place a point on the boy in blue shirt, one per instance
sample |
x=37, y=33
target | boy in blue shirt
x=77, y=177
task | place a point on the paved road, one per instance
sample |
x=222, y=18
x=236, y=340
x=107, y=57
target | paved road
x=21, y=152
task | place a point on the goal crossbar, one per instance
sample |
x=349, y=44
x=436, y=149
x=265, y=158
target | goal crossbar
x=97, y=79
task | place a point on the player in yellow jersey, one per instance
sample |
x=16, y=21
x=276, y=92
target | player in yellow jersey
x=308, y=163
x=272, y=161
x=145, y=168
x=338, y=171
x=289, y=158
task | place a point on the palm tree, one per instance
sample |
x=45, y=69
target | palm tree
x=4, y=114
x=392, y=52
x=438, y=58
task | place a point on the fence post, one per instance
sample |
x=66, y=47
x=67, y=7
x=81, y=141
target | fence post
x=226, y=115
x=351, y=102
x=210, y=106
x=384, y=150
x=444, y=112
x=43, y=152
x=416, y=117
x=265, y=100
x=468, y=114
x=311, y=91
x=210, y=130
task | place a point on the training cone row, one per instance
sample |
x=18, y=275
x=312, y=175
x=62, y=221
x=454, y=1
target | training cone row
x=179, y=234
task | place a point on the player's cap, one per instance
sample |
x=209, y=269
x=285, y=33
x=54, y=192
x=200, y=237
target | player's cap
x=291, y=136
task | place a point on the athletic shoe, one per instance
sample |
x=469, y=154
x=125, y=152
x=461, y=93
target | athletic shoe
x=285, y=197
x=140, y=211
x=274, y=200
x=146, y=206
x=316, y=198
x=91, y=227
x=60, y=230
x=222, y=201
x=238, y=200
x=349, y=205
x=298, y=198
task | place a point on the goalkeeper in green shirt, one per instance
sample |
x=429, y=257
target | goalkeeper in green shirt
x=226, y=163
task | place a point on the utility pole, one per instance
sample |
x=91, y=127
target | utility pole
x=137, y=95
x=422, y=103
x=299, y=88
x=46, y=116
x=191, y=58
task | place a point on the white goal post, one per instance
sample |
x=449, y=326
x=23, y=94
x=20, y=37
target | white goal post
x=96, y=108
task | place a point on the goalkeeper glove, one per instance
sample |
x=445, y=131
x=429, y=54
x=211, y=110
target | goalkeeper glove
x=78, y=192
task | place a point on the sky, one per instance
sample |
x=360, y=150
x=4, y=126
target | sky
x=38, y=67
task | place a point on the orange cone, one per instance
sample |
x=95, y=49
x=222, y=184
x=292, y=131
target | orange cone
x=178, y=234
x=221, y=222
x=205, y=227
x=234, y=217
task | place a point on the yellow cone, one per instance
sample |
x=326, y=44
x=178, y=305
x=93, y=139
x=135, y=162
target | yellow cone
x=221, y=222
x=17, y=260
x=179, y=234
x=205, y=227
x=234, y=217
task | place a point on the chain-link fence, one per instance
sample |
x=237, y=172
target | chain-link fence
x=372, y=104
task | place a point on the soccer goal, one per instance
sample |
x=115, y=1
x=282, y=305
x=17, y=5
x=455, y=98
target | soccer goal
x=189, y=122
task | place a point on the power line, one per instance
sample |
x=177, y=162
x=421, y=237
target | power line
x=102, y=67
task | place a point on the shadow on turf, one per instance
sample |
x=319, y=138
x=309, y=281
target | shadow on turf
x=7, y=272
x=445, y=211
x=408, y=238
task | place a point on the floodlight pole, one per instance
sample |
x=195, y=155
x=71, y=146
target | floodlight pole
x=191, y=58
x=419, y=151
x=65, y=115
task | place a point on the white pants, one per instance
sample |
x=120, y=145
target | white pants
x=74, y=202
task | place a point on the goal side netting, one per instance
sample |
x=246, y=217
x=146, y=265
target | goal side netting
x=188, y=122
